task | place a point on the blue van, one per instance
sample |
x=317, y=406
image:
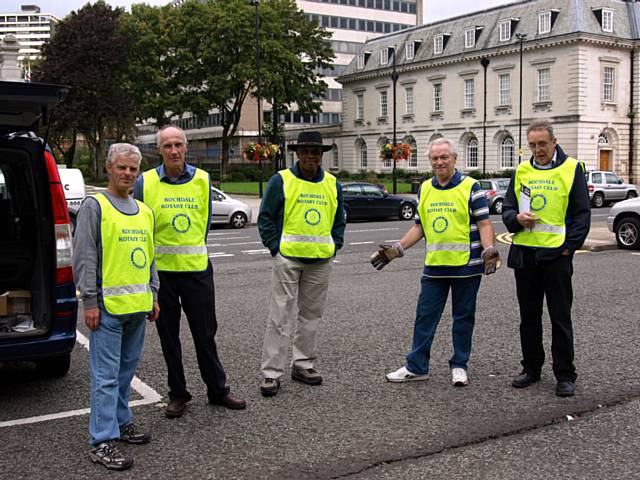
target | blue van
x=38, y=305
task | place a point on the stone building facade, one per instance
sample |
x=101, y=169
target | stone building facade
x=580, y=64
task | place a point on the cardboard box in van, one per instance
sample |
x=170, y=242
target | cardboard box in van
x=14, y=302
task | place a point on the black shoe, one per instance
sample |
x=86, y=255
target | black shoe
x=107, y=454
x=306, y=375
x=269, y=387
x=176, y=408
x=565, y=388
x=131, y=434
x=524, y=380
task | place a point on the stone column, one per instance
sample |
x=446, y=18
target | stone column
x=9, y=68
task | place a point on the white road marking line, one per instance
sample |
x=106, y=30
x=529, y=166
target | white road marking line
x=360, y=243
x=255, y=252
x=390, y=241
x=230, y=238
x=149, y=395
x=373, y=230
x=220, y=254
x=230, y=244
x=222, y=234
x=635, y=254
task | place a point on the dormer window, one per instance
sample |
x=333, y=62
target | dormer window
x=544, y=22
x=605, y=18
x=409, y=51
x=438, y=44
x=505, y=30
x=384, y=56
x=470, y=38
x=360, y=61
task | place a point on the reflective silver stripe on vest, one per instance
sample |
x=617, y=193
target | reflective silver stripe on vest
x=180, y=250
x=306, y=239
x=125, y=290
x=475, y=261
x=543, y=227
x=458, y=247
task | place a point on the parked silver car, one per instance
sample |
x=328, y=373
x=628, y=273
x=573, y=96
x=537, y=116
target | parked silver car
x=606, y=187
x=227, y=210
x=624, y=221
x=495, y=190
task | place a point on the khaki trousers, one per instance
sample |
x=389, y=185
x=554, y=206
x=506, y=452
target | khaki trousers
x=298, y=295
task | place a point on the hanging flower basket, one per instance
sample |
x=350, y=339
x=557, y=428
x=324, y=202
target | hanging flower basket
x=261, y=151
x=401, y=151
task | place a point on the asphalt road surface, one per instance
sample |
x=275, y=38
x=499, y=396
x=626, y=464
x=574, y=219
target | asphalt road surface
x=356, y=425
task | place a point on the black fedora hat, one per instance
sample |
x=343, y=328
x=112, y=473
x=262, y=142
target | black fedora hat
x=310, y=139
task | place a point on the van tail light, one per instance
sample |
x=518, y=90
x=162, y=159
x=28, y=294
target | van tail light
x=64, y=249
x=590, y=187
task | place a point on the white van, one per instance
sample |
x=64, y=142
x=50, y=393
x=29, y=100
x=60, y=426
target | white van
x=73, y=187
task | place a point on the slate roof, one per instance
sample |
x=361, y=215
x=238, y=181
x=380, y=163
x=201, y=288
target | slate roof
x=574, y=16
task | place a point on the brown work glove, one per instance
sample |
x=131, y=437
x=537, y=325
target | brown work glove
x=491, y=258
x=385, y=254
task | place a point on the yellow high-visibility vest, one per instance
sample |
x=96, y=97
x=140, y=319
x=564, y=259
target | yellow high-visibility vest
x=549, y=199
x=309, y=211
x=182, y=218
x=127, y=254
x=445, y=219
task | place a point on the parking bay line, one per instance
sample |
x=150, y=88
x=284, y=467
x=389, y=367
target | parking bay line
x=149, y=395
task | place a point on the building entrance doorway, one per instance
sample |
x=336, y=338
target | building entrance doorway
x=605, y=160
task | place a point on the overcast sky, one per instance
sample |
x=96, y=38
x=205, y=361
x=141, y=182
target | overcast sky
x=434, y=9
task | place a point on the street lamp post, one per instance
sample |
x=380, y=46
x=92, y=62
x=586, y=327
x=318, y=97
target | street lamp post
x=259, y=100
x=394, y=79
x=521, y=38
x=484, y=61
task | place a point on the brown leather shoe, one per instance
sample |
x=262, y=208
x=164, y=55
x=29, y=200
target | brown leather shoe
x=229, y=401
x=176, y=408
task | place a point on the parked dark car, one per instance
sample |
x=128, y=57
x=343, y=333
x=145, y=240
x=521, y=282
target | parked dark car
x=495, y=189
x=38, y=306
x=368, y=201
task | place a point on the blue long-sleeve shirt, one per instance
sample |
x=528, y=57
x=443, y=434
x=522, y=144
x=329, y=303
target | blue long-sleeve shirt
x=271, y=215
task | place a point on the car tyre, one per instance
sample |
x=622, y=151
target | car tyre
x=238, y=220
x=631, y=194
x=598, y=200
x=497, y=207
x=628, y=233
x=54, y=367
x=346, y=214
x=407, y=211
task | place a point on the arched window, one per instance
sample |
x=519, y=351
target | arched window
x=472, y=153
x=363, y=155
x=507, y=153
x=335, y=159
x=602, y=139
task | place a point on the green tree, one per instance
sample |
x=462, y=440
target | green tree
x=203, y=54
x=89, y=52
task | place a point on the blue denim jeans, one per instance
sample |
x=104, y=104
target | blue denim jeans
x=433, y=297
x=114, y=351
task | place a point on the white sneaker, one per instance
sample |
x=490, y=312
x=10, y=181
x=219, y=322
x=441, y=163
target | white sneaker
x=404, y=375
x=459, y=377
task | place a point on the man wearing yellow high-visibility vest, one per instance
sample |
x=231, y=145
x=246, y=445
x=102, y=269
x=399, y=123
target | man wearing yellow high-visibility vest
x=180, y=196
x=454, y=222
x=301, y=222
x=114, y=270
x=547, y=209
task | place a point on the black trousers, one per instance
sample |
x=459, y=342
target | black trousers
x=551, y=279
x=194, y=293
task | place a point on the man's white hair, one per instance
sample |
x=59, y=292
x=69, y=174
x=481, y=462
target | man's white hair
x=444, y=141
x=123, y=150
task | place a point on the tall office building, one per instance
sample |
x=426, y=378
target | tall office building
x=31, y=27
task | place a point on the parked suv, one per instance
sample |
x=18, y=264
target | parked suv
x=38, y=306
x=606, y=187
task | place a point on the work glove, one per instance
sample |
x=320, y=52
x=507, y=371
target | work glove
x=491, y=258
x=385, y=254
